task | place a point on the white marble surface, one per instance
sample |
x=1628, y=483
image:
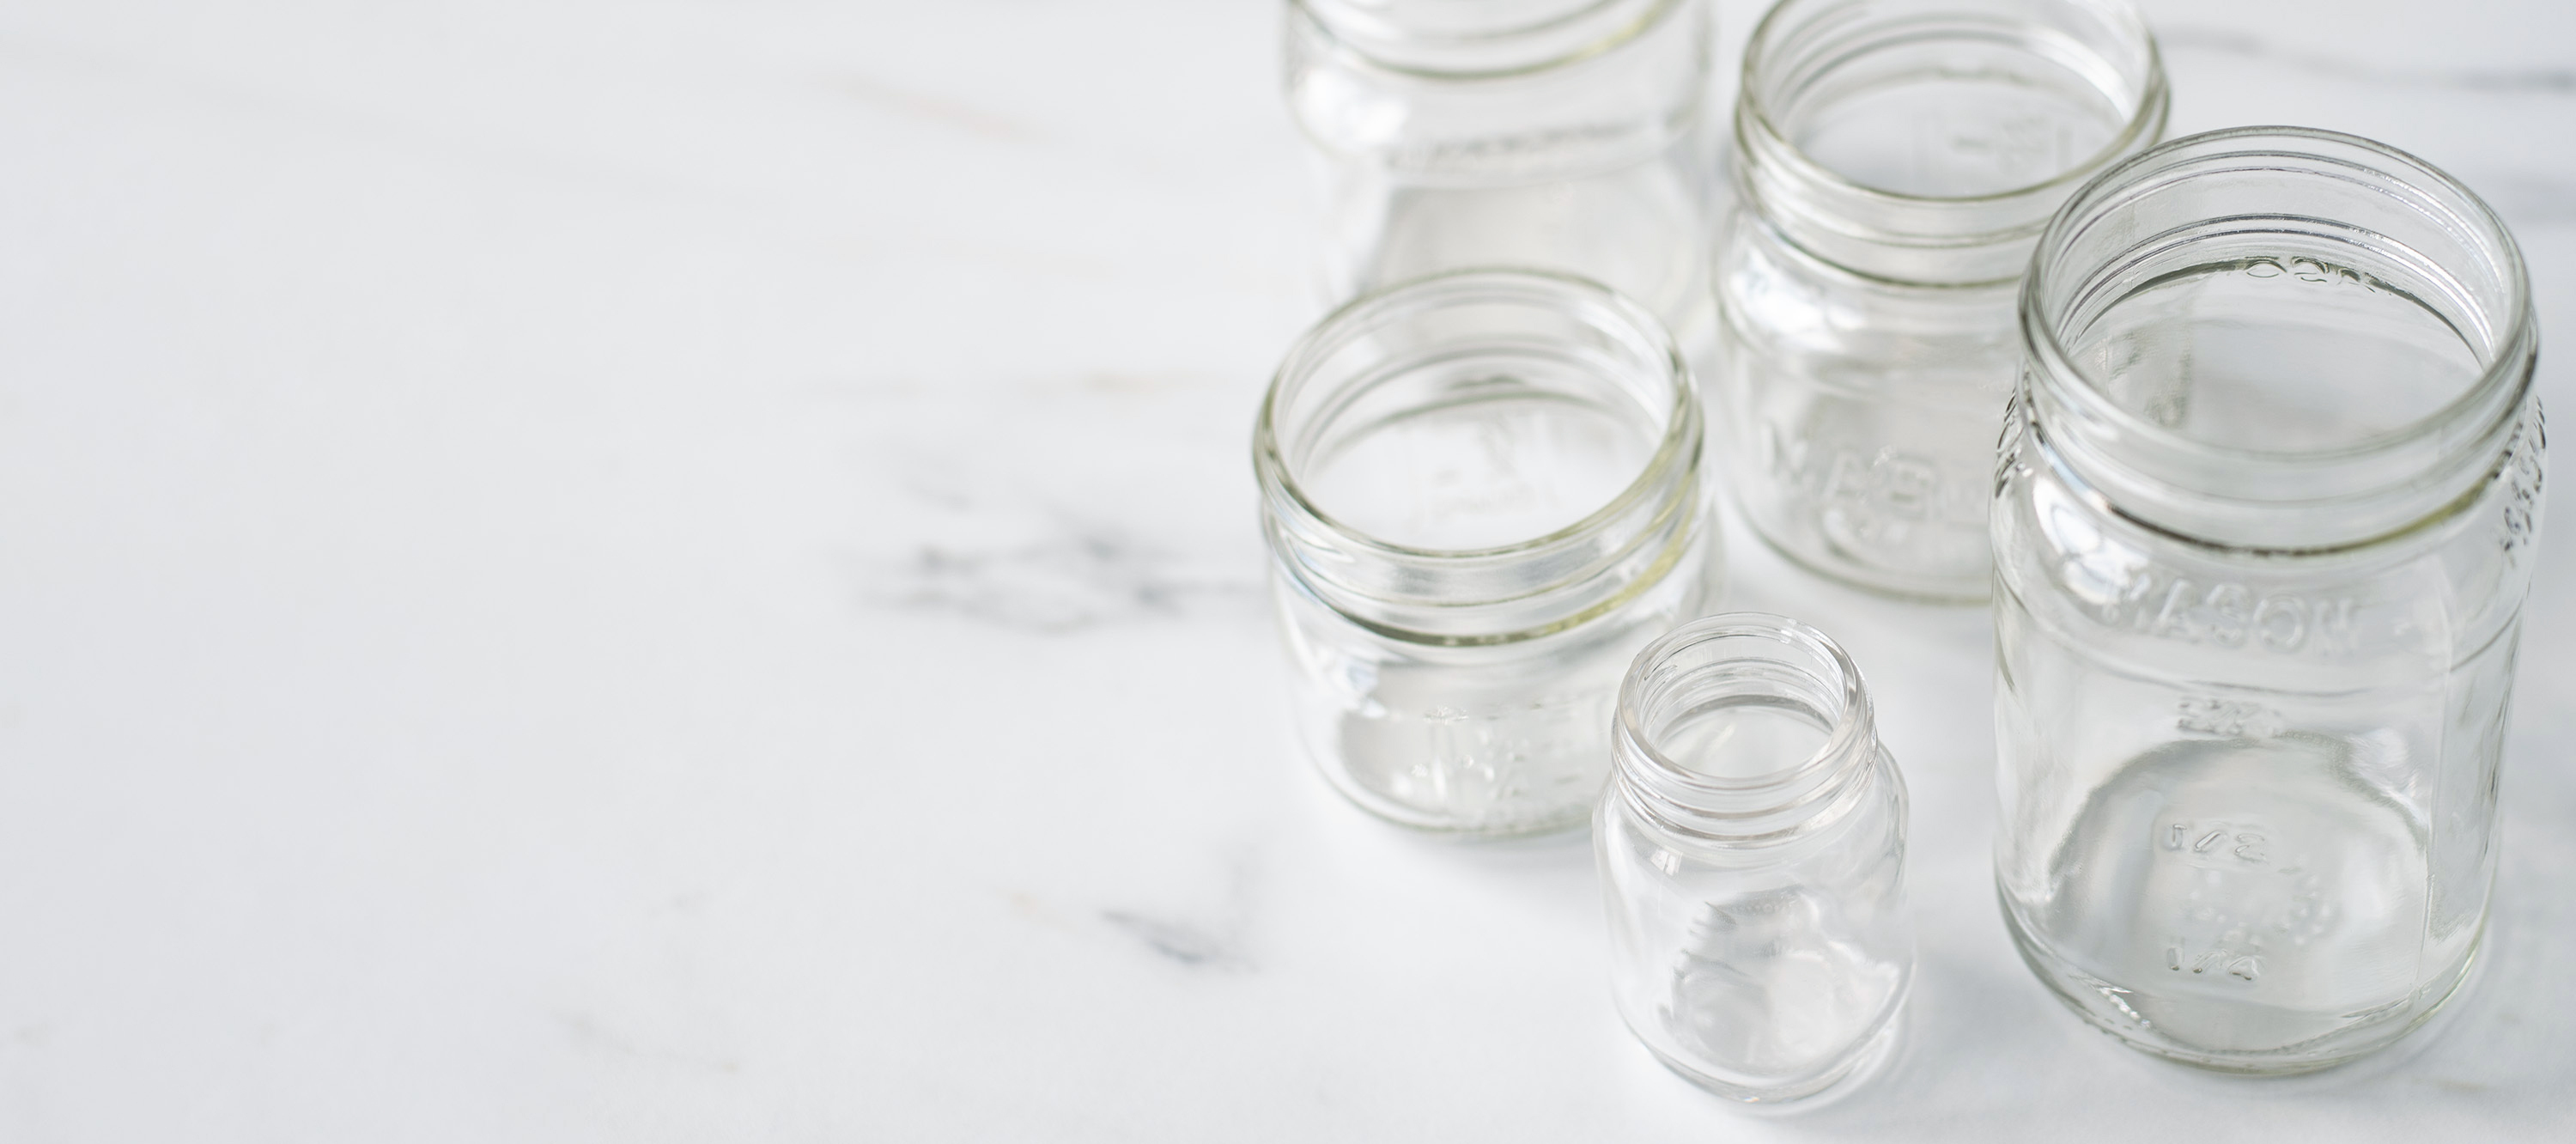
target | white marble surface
x=683, y=571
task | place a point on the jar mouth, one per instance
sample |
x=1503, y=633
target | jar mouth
x=2112, y=242
x=1360, y=317
x=1484, y=48
x=2146, y=115
x=1732, y=661
x=1982, y=116
x=2257, y=145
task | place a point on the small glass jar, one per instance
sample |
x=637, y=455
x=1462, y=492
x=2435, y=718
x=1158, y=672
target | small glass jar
x=2263, y=526
x=1564, y=135
x=1482, y=494
x=1895, y=161
x=1752, y=850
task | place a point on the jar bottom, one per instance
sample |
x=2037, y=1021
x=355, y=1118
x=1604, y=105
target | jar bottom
x=1841, y=569
x=2104, y=1005
x=1486, y=819
x=1475, y=742
x=1462, y=744
x=1846, y=1073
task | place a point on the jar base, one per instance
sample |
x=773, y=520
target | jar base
x=1946, y=592
x=1847, y=1074
x=1494, y=827
x=2100, y=1004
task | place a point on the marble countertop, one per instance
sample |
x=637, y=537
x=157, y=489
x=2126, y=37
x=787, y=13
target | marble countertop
x=685, y=570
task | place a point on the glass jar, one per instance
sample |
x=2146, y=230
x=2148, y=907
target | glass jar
x=1895, y=162
x=2264, y=522
x=1564, y=135
x=1482, y=494
x=1752, y=850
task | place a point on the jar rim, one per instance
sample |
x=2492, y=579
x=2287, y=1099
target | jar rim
x=1342, y=38
x=1348, y=321
x=2510, y=348
x=1647, y=772
x=2144, y=119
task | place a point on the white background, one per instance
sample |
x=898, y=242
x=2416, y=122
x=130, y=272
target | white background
x=684, y=571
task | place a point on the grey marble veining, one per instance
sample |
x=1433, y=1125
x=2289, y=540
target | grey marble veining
x=1076, y=578
x=687, y=570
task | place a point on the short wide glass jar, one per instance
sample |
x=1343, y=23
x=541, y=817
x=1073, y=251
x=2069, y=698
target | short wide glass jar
x=2263, y=528
x=1752, y=850
x=1482, y=494
x=1895, y=162
x=1567, y=135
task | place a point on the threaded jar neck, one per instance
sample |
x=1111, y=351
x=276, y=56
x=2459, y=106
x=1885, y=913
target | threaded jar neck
x=1929, y=141
x=1480, y=457
x=1745, y=728
x=2278, y=339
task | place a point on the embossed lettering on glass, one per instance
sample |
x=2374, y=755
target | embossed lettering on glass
x=2263, y=528
x=1752, y=850
x=1481, y=493
x=1895, y=163
x=1559, y=134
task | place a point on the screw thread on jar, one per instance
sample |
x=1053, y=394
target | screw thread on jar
x=1482, y=494
x=1803, y=171
x=2285, y=218
x=1794, y=730
x=1896, y=161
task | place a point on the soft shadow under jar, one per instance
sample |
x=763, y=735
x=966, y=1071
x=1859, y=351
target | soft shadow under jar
x=1481, y=492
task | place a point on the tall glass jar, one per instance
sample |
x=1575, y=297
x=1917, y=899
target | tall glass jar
x=2263, y=526
x=1559, y=134
x=1895, y=161
x=1481, y=493
x=1752, y=850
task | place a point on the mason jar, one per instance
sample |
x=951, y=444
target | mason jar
x=2263, y=525
x=1482, y=494
x=1752, y=852
x=1560, y=134
x=1895, y=161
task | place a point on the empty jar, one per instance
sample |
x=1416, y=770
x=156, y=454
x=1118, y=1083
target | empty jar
x=1752, y=851
x=1481, y=493
x=1895, y=162
x=2264, y=525
x=1559, y=134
